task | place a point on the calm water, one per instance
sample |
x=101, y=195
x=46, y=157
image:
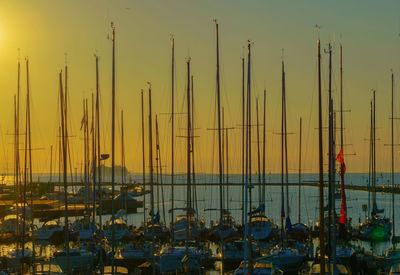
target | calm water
x=208, y=198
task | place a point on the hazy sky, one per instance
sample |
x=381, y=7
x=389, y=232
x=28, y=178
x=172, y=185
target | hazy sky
x=51, y=33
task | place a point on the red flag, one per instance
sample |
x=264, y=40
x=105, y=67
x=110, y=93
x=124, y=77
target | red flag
x=340, y=159
x=343, y=205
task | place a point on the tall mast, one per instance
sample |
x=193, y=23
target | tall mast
x=264, y=146
x=25, y=170
x=247, y=182
x=331, y=174
x=66, y=114
x=249, y=121
x=299, y=205
x=172, y=130
x=29, y=134
x=243, y=140
x=98, y=158
x=143, y=161
x=370, y=159
x=392, y=156
x=282, y=153
x=193, y=155
x=188, y=190
x=151, y=157
x=219, y=126
x=285, y=145
x=16, y=141
x=113, y=148
x=321, y=169
x=87, y=150
x=94, y=163
x=64, y=162
x=374, y=206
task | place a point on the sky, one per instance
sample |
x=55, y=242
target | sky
x=54, y=33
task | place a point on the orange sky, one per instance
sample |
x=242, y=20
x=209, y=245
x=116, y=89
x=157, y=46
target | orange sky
x=52, y=32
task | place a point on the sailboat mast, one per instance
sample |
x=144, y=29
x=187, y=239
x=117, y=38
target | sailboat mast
x=331, y=174
x=29, y=149
x=94, y=163
x=143, y=161
x=188, y=190
x=374, y=206
x=321, y=169
x=98, y=158
x=243, y=144
x=299, y=195
x=193, y=154
x=151, y=158
x=249, y=122
x=113, y=148
x=25, y=172
x=64, y=162
x=16, y=139
x=264, y=146
x=392, y=157
x=282, y=153
x=219, y=126
x=370, y=159
x=285, y=144
x=172, y=131
x=246, y=182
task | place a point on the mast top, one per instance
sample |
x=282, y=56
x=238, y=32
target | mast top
x=318, y=27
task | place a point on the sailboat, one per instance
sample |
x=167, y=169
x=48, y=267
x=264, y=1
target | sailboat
x=191, y=256
x=283, y=256
x=299, y=231
x=225, y=227
x=375, y=227
x=261, y=227
x=343, y=249
x=188, y=226
x=323, y=264
x=85, y=228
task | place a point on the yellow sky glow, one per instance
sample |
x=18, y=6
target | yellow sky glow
x=46, y=30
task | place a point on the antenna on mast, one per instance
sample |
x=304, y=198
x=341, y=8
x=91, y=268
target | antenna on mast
x=318, y=27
